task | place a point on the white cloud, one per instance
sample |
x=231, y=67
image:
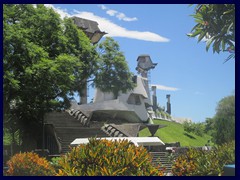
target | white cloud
x=119, y=15
x=112, y=29
x=165, y=88
x=63, y=12
x=122, y=16
x=115, y=30
x=111, y=12
x=102, y=7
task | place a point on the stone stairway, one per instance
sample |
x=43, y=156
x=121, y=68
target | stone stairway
x=162, y=158
x=80, y=116
x=112, y=131
x=68, y=129
x=69, y=134
x=74, y=124
x=62, y=119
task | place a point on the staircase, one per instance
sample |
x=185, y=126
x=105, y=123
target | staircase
x=74, y=124
x=80, y=116
x=112, y=131
x=68, y=129
x=69, y=134
x=161, y=158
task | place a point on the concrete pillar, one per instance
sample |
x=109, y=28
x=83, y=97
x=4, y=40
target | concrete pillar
x=154, y=98
x=168, y=104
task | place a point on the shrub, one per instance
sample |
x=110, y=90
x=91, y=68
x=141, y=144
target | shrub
x=185, y=164
x=55, y=162
x=29, y=164
x=195, y=128
x=201, y=163
x=104, y=157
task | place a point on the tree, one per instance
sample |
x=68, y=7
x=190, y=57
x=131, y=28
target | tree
x=216, y=23
x=224, y=124
x=187, y=126
x=209, y=126
x=84, y=51
x=195, y=128
x=42, y=60
x=113, y=74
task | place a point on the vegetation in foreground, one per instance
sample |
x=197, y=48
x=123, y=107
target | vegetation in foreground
x=120, y=158
x=97, y=158
x=205, y=163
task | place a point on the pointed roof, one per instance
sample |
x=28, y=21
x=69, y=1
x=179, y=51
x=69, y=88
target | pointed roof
x=145, y=62
x=90, y=28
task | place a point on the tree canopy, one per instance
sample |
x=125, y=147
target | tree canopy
x=43, y=57
x=224, y=118
x=47, y=59
x=215, y=23
x=113, y=74
x=222, y=126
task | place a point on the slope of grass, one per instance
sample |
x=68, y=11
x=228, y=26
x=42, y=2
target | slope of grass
x=174, y=132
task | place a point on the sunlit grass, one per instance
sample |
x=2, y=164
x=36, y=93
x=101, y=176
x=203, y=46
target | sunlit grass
x=174, y=132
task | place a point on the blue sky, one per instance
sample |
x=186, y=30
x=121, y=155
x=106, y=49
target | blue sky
x=195, y=79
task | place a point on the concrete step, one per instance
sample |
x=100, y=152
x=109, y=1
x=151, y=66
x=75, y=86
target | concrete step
x=62, y=119
x=162, y=159
x=69, y=126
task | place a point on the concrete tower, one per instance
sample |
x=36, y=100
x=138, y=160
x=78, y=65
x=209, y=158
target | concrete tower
x=168, y=104
x=144, y=65
x=154, y=98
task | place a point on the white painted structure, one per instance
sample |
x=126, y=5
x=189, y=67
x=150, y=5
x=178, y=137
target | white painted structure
x=138, y=141
x=130, y=106
x=133, y=106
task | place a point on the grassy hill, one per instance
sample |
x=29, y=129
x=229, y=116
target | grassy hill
x=174, y=132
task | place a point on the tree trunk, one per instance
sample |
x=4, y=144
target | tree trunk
x=83, y=92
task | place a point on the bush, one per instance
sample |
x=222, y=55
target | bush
x=29, y=164
x=55, y=162
x=195, y=128
x=201, y=163
x=104, y=157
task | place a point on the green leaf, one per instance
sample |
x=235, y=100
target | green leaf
x=216, y=45
x=223, y=45
x=228, y=12
x=229, y=57
x=228, y=30
x=194, y=34
x=202, y=35
x=209, y=42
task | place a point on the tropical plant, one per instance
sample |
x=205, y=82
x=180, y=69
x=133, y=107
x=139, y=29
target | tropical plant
x=29, y=164
x=197, y=162
x=107, y=158
x=216, y=23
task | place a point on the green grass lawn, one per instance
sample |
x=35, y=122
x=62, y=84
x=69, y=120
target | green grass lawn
x=174, y=132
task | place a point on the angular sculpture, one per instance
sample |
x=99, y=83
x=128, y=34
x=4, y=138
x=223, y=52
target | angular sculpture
x=107, y=116
x=132, y=107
